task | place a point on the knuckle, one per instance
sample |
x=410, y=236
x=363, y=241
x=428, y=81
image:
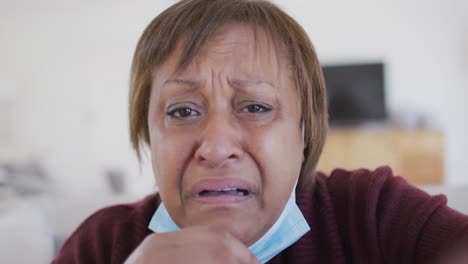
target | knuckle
x=151, y=239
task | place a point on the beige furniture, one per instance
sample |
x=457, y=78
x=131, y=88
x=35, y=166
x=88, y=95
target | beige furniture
x=416, y=155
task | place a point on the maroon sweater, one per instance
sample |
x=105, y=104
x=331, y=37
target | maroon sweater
x=355, y=217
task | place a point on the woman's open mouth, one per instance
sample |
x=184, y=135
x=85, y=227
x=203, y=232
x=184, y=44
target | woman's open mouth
x=226, y=191
x=221, y=191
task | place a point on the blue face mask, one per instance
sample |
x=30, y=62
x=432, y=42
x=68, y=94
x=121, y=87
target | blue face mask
x=289, y=227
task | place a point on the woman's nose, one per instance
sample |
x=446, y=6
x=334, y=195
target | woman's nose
x=219, y=143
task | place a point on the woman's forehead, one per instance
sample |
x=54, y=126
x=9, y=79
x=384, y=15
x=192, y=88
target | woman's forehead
x=250, y=52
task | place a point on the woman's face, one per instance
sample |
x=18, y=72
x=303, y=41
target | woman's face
x=225, y=134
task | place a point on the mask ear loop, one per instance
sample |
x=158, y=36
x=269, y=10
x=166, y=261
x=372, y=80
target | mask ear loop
x=306, y=149
x=302, y=130
x=293, y=194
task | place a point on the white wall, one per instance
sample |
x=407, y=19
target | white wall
x=64, y=74
x=425, y=46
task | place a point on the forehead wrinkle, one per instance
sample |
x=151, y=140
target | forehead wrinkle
x=247, y=83
x=223, y=47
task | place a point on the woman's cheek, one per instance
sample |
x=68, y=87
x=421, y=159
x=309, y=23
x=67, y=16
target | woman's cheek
x=173, y=152
x=279, y=155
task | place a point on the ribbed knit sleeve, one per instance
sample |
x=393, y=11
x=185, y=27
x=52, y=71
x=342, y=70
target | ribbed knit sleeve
x=110, y=235
x=444, y=238
x=383, y=219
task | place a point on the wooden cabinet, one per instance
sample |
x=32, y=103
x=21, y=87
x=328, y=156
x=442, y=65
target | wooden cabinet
x=416, y=155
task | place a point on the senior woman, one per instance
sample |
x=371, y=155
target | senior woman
x=230, y=98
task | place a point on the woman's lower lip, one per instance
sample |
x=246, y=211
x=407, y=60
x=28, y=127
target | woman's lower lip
x=222, y=199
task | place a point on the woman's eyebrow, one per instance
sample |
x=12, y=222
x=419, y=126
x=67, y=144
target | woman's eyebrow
x=183, y=85
x=186, y=82
x=237, y=83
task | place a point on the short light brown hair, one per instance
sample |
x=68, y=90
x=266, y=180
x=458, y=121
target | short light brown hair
x=196, y=21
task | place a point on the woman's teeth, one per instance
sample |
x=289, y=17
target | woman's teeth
x=226, y=191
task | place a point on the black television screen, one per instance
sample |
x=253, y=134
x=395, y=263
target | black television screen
x=356, y=93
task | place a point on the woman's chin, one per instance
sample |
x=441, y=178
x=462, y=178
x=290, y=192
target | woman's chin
x=246, y=228
x=246, y=234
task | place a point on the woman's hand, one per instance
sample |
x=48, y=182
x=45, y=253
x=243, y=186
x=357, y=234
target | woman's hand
x=192, y=245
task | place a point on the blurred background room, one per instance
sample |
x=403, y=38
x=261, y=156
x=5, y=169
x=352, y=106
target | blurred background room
x=397, y=74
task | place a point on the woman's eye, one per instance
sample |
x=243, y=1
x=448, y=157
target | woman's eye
x=255, y=108
x=182, y=112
